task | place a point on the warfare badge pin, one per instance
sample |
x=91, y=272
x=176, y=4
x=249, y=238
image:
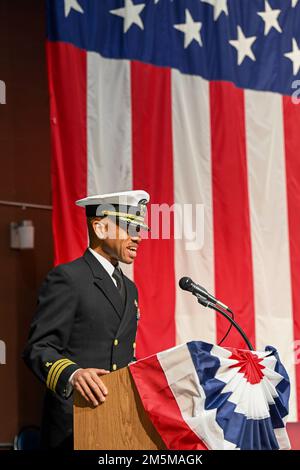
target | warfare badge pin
x=138, y=313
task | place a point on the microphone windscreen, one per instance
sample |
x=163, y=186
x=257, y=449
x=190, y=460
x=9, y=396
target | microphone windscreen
x=185, y=283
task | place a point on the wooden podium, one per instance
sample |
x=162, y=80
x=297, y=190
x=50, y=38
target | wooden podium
x=120, y=423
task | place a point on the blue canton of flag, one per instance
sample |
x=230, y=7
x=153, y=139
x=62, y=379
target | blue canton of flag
x=254, y=44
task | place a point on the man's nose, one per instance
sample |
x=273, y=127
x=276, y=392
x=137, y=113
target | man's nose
x=136, y=238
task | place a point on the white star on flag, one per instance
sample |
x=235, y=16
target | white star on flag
x=294, y=56
x=270, y=18
x=131, y=14
x=243, y=46
x=294, y=3
x=191, y=29
x=72, y=4
x=219, y=7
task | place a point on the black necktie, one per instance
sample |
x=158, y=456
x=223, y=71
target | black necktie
x=118, y=276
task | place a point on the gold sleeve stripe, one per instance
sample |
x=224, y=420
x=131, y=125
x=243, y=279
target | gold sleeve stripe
x=53, y=369
x=59, y=374
x=66, y=361
x=55, y=364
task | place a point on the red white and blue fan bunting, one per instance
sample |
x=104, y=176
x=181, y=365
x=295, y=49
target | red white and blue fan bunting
x=199, y=396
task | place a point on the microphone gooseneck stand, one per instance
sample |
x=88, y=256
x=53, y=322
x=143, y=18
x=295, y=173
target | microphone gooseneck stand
x=230, y=326
x=206, y=303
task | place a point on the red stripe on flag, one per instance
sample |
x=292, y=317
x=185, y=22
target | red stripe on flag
x=153, y=171
x=68, y=110
x=291, y=114
x=232, y=237
x=161, y=406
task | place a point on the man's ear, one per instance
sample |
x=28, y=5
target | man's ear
x=100, y=229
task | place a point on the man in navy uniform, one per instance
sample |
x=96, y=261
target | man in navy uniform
x=86, y=320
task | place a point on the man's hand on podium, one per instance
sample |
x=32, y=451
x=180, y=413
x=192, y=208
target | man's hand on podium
x=88, y=383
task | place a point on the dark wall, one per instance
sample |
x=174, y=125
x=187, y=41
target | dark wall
x=24, y=177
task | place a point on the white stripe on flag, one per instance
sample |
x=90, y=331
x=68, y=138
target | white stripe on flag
x=269, y=228
x=109, y=127
x=192, y=185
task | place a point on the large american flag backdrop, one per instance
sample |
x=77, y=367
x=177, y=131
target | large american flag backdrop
x=191, y=101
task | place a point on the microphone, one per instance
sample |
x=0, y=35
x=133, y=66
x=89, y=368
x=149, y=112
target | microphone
x=186, y=283
x=208, y=300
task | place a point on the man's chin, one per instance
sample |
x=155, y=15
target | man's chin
x=127, y=260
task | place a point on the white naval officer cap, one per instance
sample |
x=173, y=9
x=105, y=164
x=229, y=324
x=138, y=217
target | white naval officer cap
x=126, y=207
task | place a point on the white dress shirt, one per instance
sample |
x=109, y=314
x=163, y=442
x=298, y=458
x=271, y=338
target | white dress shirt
x=109, y=268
